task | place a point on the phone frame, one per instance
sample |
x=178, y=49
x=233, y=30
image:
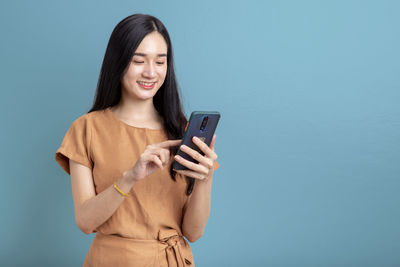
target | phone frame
x=193, y=128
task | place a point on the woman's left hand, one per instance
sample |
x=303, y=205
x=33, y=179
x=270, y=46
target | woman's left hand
x=205, y=168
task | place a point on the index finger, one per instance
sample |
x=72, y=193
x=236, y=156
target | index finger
x=169, y=143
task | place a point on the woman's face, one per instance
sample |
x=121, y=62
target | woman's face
x=147, y=69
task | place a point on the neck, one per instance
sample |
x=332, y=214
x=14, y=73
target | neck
x=137, y=110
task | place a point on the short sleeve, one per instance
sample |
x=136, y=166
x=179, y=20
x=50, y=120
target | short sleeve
x=216, y=165
x=75, y=146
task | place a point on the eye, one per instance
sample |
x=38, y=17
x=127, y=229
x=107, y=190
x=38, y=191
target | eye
x=138, y=61
x=160, y=63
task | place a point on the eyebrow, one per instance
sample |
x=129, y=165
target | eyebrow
x=143, y=55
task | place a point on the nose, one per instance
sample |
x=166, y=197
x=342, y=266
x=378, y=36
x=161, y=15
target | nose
x=149, y=71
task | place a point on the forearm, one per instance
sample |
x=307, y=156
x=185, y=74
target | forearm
x=95, y=211
x=197, y=210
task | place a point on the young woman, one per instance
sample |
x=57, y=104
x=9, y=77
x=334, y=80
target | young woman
x=119, y=156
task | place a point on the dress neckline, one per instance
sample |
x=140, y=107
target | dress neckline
x=131, y=126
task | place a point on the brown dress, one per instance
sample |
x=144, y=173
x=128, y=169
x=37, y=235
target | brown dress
x=146, y=229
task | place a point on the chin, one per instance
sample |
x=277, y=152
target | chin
x=145, y=95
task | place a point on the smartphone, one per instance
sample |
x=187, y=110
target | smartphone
x=201, y=124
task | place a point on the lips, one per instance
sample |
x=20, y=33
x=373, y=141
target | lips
x=146, y=85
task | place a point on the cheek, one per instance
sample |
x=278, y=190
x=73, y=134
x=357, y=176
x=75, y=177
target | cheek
x=131, y=76
x=134, y=73
x=163, y=73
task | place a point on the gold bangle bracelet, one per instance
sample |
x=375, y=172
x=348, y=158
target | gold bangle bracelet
x=119, y=190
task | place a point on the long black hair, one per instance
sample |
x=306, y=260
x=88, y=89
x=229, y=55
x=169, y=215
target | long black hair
x=124, y=40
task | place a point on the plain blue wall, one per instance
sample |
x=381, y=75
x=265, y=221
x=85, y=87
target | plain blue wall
x=308, y=140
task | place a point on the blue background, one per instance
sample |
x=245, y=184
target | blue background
x=308, y=140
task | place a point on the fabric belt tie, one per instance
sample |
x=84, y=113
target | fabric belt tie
x=172, y=240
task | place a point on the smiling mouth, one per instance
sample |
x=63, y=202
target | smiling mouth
x=146, y=85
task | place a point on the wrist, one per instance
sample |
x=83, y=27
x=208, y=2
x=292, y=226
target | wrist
x=206, y=181
x=128, y=176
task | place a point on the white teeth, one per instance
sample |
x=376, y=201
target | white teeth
x=146, y=84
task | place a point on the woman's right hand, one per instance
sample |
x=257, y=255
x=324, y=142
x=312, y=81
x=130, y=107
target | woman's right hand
x=155, y=156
